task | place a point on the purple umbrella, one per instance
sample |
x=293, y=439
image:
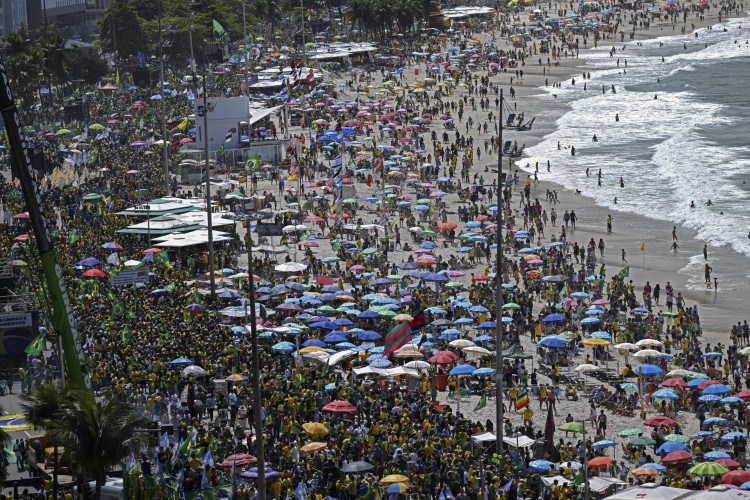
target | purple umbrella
x=137, y=144
x=288, y=306
x=88, y=262
x=252, y=473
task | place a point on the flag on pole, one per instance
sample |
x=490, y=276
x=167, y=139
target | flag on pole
x=218, y=29
x=397, y=337
x=624, y=273
x=37, y=345
x=643, y=247
x=164, y=441
x=522, y=400
x=549, y=433
x=482, y=402
x=252, y=164
x=204, y=481
x=417, y=324
x=183, y=125
x=208, y=459
x=300, y=491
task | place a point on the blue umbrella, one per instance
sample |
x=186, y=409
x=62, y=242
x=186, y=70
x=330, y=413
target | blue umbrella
x=283, y=347
x=656, y=467
x=313, y=343
x=703, y=434
x=552, y=343
x=665, y=394
x=436, y=278
x=88, y=262
x=670, y=446
x=717, y=389
x=541, y=465
x=731, y=399
x=487, y=325
x=590, y=321
x=554, y=318
x=369, y=336
x=381, y=363
x=181, y=362
x=714, y=421
x=709, y=398
x=648, y=370
x=334, y=338
x=599, y=445
x=716, y=455
x=462, y=370
x=731, y=435
x=601, y=335
x=695, y=382
x=343, y=322
x=484, y=372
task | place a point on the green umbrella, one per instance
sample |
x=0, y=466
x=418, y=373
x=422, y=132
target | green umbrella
x=697, y=375
x=571, y=427
x=629, y=432
x=349, y=201
x=668, y=314
x=370, y=251
x=423, y=201
x=642, y=441
x=92, y=197
x=63, y=131
x=96, y=126
x=511, y=305
x=708, y=469
x=259, y=39
x=395, y=277
x=326, y=308
x=454, y=284
x=677, y=437
x=427, y=232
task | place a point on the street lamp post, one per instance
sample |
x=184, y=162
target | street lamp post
x=163, y=111
x=499, y=292
x=203, y=112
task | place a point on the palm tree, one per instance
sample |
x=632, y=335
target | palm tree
x=97, y=435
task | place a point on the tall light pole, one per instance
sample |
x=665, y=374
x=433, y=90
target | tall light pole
x=257, y=399
x=190, y=39
x=499, y=378
x=203, y=111
x=165, y=146
x=245, y=52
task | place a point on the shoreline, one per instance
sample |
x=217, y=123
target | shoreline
x=718, y=310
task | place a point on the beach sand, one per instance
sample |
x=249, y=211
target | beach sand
x=718, y=310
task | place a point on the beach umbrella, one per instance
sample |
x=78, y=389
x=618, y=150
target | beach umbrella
x=708, y=469
x=599, y=462
x=315, y=429
x=238, y=459
x=180, y=362
x=357, y=467
x=644, y=471
x=665, y=394
x=571, y=427
x=462, y=370
x=340, y=408
x=716, y=389
x=736, y=477
x=552, y=343
x=659, y=421
x=283, y=347
x=193, y=371
x=642, y=441
x=554, y=318
x=541, y=465
x=393, y=478
x=656, y=467
x=670, y=446
x=677, y=437
x=648, y=370
x=732, y=435
x=677, y=456
x=236, y=377
x=674, y=382
x=252, y=473
x=716, y=455
x=715, y=421
x=629, y=432
x=600, y=445
x=731, y=465
x=649, y=343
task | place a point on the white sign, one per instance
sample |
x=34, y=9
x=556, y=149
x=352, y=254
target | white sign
x=124, y=278
x=15, y=320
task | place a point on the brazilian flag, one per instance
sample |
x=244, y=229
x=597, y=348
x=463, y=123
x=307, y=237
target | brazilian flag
x=125, y=334
x=37, y=345
x=252, y=164
x=117, y=309
x=482, y=402
x=218, y=29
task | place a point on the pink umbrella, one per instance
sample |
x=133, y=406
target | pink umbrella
x=455, y=274
x=357, y=267
x=600, y=302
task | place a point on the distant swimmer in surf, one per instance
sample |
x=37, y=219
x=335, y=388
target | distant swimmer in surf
x=655, y=97
x=692, y=204
x=709, y=203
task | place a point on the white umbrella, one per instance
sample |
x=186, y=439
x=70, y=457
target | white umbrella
x=679, y=372
x=461, y=343
x=649, y=343
x=289, y=229
x=319, y=357
x=745, y=351
x=475, y=349
x=290, y=267
x=418, y=365
x=647, y=353
x=626, y=346
x=586, y=367
x=415, y=229
x=193, y=371
x=341, y=355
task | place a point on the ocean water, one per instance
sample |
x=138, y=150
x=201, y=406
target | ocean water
x=690, y=143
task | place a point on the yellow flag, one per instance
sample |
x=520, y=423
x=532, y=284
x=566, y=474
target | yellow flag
x=117, y=77
x=643, y=247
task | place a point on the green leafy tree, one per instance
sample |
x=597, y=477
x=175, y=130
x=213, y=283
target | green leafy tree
x=128, y=29
x=87, y=64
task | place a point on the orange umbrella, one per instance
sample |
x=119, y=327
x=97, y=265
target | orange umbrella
x=313, y=447
x=151, y=250
x=600, y=462
x=644, y=471
x=447, y=226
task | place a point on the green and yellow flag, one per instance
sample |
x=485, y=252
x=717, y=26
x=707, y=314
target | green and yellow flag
x=482, y=402
x=183, y=125
x=218, y=29
x=37, y=345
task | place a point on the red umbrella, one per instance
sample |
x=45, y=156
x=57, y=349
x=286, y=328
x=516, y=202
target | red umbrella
x=341, y=408
x=313, y=218
x=241, y=459
x=447, y=226
x=324, y=280
x=23, y=215
x=735, y=477
x=426, y=262
x=674, y=382
x=21, y=237
x=600, y=462
x=659, y=421
x=94, y=273
x=151, y=250
x=480, y=277
x=443, y=358
x=743, y=394
x=676, y=456
x=731, y=465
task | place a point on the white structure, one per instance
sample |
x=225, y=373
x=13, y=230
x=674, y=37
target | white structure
x=227, y=116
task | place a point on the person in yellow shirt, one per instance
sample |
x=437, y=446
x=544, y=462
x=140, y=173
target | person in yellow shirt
x=528, y=414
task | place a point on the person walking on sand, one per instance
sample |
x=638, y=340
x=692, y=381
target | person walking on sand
x=707, y=274
x=674, y=233
x=674, y=247
x=624, y=261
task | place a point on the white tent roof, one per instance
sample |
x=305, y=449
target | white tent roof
x=651, y=491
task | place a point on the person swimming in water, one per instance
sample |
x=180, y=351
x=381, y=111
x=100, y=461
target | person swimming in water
x=692, y=204
x=709, y=203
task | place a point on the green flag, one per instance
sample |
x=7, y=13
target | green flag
x=125, y=334
x=37, y=345
x=624, y=273
x=218, y=29
x=117, y=309
x=482, y=402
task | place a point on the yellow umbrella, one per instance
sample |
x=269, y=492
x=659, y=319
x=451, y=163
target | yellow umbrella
x=315, y=428
x=313, y=447
x=311, y=348
x=600, y=342
x=394, y=478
